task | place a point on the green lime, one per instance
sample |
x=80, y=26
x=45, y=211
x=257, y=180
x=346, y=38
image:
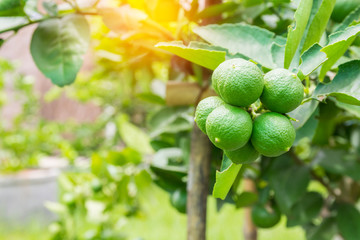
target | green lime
x=229, y=127
x=283, y=91
x=343, y=8
x=273, y=134
x=238, y=82
x=178, y=199
x=265, y=217
x=204, y=108
x=246, y=154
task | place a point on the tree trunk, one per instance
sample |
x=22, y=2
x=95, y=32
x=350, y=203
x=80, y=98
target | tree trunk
x=198, y=185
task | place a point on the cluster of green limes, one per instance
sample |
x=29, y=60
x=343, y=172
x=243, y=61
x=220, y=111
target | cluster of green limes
x=227, y=121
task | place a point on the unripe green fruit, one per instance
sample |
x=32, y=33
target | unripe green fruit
x=273, y=134
x=238, y=82
x=283, y=91
x=229, y=127
x=178, y=199
x=204, y=108
x=264, y=217
x=246, y=154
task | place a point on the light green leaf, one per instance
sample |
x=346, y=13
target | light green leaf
x=352, y=109
x=345, y=86
x=339, y=42
x=217, y=9
x=307, y=130
x=12, y=23
x=58, y=46
x=225, y=179
x=303, y=113
x=348, y=220
x=278, y=53
x=133, y=136
x=305, y=210
x=318, y=23
x=151, y=98
x=204, y=56
x=311, y=60
x=296, y=31
x=251, y=41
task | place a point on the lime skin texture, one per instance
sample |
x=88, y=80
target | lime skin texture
x=244, y=155
x=264, y=217
x=283, y=91
x=229, y=127
x=273, y=134
x=204, y=108
x=238, y=82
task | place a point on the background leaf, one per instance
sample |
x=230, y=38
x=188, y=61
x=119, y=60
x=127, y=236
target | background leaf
x=58, y=46
x=251, y=41
x=205, y=56
x=345, y=87
x=296, y=31
x=348, y=221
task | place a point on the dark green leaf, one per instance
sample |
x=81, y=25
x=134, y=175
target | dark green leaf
x=345, y=86
x=246, y=199
x=58, y=46
x=296, y=31
x=225, y=179
x=338, y=162
x=325, y=231
x=251, y=41
x=305, y=210
x=203, y=56
x=289, y=183
x=11, y=7
x=348, y=221
x=217, y=9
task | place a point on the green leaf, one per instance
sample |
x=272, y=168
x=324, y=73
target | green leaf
x=311, y=59
x=319, y=23
x=151, y=98
x=12, y=7
x=201, y=54
x=303, y=113
x=354, y=16
x=339, y=42
x=337, y=161
x=289, y=182
x=246, y=199
x=225, y=179
x=307, y=130
x=325, y=231
x=278, y=53
x=12, y=23
x=133, y=136
x=240, y=38
x=345, y=86
x=305, y=210
x=352, y=109
x=58, y=46
x=295, y=32
x=217, y=9
x=163, y=158
x=348, y=220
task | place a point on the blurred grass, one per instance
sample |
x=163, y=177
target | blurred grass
x=161, y=221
